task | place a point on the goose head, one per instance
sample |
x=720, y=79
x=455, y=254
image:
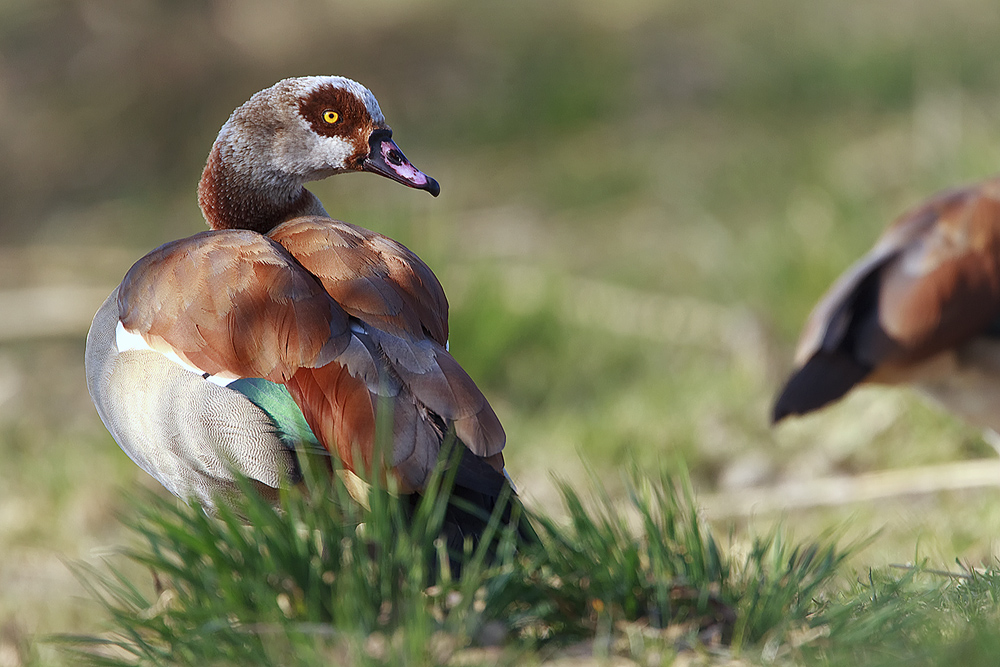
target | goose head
x=298, y=130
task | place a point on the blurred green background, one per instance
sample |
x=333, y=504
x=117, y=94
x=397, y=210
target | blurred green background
x=640, y=203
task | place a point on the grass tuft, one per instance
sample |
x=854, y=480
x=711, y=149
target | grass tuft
x=318, y=579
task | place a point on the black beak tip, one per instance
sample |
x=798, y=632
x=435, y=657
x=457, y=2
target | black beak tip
x=432, y=187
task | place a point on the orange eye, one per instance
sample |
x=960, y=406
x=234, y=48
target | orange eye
x=330, y=116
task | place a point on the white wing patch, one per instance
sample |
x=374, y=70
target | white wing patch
x=129, y=340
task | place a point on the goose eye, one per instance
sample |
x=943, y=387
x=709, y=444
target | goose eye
x=330, y=116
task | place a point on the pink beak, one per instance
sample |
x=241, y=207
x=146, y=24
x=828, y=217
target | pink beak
x=385, y=158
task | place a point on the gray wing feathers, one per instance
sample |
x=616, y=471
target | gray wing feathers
x=437, y=381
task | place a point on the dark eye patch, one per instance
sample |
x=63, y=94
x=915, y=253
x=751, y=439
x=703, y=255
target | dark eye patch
x=354, y=117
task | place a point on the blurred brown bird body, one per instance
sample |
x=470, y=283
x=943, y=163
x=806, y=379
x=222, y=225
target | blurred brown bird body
x=919, y=308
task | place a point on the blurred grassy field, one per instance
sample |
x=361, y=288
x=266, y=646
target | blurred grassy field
x=640, y=203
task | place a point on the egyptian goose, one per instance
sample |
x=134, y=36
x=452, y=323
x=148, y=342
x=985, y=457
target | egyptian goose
x=922, y=307
x=282, y=328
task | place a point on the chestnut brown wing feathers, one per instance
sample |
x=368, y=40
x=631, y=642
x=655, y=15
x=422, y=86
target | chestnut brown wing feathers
x=372, y=277
x=401, y=323
x=232, y=303
x=338, y=314
x=418, y=394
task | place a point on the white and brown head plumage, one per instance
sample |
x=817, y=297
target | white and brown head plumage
x=298, y=130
